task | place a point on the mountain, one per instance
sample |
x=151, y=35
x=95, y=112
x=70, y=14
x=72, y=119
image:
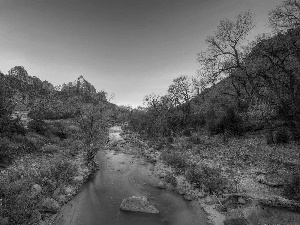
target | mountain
x=21, y=74
x=29, y=90
x=80, y=85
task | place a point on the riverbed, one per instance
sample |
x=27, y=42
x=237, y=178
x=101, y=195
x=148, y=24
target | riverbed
x=123, y=175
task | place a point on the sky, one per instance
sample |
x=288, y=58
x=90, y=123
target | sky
x=128, y=48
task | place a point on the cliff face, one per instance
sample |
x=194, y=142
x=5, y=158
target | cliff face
x=21, y=74
x=79, y=85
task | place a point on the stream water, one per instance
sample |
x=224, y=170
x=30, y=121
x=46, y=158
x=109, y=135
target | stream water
x=120, y=176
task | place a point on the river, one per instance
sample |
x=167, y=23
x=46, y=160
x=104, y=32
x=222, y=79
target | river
x=122, y=175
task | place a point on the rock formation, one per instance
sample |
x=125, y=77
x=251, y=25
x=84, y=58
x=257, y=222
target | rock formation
x=79, y=85
x=138, y=204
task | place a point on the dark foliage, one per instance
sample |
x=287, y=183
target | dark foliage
x=211, y=178
x=282, y=136
x=39, y=126
x=175, y=160
x=292, y=187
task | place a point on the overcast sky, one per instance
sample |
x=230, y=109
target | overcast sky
x=127, y=47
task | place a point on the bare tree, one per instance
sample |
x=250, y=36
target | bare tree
x=225, y=52
x=93, y=121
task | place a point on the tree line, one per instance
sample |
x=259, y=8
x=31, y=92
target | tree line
x=240, y=85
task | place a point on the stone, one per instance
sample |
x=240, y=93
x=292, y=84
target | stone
x=62, y=198
x=242, y=200
x=78, y=178
x=69, y=191
x=188, y=197
x=36, y=189
x=138, y=204
x=161, y=185
x=162, y=174
x=56, y=193
x=252, y=212
x=210, y=200
x=170, y=187
x=49, y=205
x=180, y=190
x=201, y=194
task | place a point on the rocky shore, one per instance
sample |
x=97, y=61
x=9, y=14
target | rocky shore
x=255, y=204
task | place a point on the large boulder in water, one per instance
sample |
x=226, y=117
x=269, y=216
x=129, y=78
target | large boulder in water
x=138, y=204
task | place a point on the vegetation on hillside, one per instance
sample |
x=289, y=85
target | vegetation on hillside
x=241, y=88
x=46, y=156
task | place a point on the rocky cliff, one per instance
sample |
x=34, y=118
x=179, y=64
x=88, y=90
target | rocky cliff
x=21, y=74
x=79, y=85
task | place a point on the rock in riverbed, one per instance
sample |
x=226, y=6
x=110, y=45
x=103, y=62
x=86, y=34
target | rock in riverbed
x=138, y=204
x=49, y=205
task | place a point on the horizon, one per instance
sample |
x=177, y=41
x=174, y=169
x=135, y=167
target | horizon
x=129, y=49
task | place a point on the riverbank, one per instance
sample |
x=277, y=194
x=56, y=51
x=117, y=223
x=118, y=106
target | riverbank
x=48, y=175
x=230, y=192
x=123, y=173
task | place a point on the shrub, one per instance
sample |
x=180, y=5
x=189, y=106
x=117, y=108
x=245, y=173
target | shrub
x=281, y=136
x=39, y=126
x=231, y=122
x=187, y=133
x=50, y=149
x=6, y=151
x=174, y=159
x=16, y=202
x=228, y=121
x=58, y=130
x=291, y=188
x=210, y=177
x=10, y=126
x=195, y=139
x=170, y=140
x=170, y=178
x=63, y=171
x=29, y=146
x=60, y=172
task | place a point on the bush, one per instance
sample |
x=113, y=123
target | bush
x=50, y=149
x=9, y=126
x=205, y=175
x=292, y=187
x=281, y=136
x=170, y=178
x=170, y=140
x=39, y=126
x=228, y=121
x=58, y=130
x=174, y=159
x=75, y=147
x=60, y=173
x=6, y=151
x=187, y=133
x=195, y=139
x=29, y=146
x=16, y=202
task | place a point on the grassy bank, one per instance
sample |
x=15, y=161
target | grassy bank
x=42, y=170
x=233, y=179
